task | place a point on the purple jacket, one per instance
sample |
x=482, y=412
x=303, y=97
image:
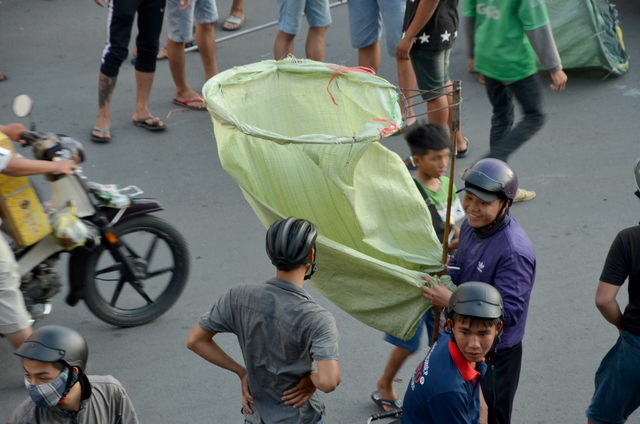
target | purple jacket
x=504, y=258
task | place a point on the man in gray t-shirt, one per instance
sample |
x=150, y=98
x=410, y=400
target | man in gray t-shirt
x=281, y=331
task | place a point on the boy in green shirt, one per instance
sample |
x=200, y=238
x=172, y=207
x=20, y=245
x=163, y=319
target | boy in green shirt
x=430, y=152
x=502, y=36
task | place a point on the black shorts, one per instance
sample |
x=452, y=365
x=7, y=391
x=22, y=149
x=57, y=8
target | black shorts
x=500, y=383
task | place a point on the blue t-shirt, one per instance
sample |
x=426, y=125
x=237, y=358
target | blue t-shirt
x=444, y=388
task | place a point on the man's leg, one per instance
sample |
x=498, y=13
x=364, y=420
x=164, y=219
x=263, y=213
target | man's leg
x=122, y=16
x=15, y=322
x=150, y=16
x=205, y=34
x=527, y=93
x=385, y=384
x=406, y=79
x=503, y=115
x=315, y=43
x=319, y=18
x=289, y=20
x=500, y=383
x=283, y=46
x=369, y=56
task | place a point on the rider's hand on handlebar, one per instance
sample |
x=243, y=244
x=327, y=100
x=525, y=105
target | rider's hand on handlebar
x=13, y=131
x=64, y=167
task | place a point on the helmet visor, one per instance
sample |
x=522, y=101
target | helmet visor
x=482, y=180
x=483, y=195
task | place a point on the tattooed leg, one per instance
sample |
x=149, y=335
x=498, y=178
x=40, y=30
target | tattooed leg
x=105, y=91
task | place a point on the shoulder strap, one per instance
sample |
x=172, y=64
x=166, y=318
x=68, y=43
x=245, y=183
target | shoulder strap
x=438, y=223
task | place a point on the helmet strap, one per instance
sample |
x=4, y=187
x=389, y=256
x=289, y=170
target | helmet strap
x=313, y=268
x=499, y=218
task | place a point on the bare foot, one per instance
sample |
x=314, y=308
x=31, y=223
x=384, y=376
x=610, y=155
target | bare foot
x=387, y=393
x=191, y=98
x=151, y=120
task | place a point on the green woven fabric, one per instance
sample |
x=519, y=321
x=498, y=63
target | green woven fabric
x=294, y=152
x=587, y=35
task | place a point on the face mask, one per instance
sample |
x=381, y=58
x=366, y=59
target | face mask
x=48, y=395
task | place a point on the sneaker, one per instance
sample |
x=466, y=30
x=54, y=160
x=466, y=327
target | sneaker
x=191, y=46
x=524, y=195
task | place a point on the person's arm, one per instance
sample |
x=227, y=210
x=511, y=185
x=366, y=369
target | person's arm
x=13, y=131
x=100, y=3
x=514, y=279
x=456, y=237
x=437, y=294
x=21, y=167
x=127, y=412
x=201, y=342
x=544, y=45
x=607, y=303
x=327, y=377
x=424, y=12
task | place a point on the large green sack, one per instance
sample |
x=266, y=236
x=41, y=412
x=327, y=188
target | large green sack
x=587, y=35
x=296, y=151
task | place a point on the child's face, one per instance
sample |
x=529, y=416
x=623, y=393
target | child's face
x=434, y=164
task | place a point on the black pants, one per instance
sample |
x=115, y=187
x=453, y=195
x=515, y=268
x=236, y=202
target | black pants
x=500, y=383
x=504, y=139
x=121, y=16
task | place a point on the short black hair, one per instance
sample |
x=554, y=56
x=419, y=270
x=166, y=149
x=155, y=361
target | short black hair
x=488, y=322
x=424, y=137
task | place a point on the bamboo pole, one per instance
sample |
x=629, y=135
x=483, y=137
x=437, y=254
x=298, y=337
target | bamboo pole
x=455, y=113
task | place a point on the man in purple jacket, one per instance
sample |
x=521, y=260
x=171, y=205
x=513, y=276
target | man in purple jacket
x=494, y=249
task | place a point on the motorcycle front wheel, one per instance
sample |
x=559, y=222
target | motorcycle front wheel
x=161, y=258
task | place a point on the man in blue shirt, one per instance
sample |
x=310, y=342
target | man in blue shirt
x=445, y=386
x=493, y=248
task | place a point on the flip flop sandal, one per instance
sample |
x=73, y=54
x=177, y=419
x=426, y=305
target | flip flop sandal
x=232, y=19
x=187, y=103
x=102, y=140
x=143, y=124
x=464, y=154
x=375, y=397
x=191, y=46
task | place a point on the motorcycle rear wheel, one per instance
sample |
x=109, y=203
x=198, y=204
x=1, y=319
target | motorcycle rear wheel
x=159, y=253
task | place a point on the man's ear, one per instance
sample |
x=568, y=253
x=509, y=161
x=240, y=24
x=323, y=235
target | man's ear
x=450, y=324
x=311, y=256
x=76, y=370
x=416, y=159
x=499, y=327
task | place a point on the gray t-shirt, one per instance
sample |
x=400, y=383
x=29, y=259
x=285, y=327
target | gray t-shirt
x=108, y=404
x=281, y=331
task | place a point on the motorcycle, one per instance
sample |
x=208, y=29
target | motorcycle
x=128, y=266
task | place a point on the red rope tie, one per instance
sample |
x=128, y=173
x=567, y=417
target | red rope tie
x=362, y=69
x=387, y=130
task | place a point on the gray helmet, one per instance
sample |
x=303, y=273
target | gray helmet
x=289, y=242
x=55, y=343
x=476, y=299
x=490, y=180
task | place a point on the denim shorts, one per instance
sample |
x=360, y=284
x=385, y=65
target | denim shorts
x=180, y=22
x=617, y=392
x=290, y=14
x=413, y=343
x=366, y=18
x=432, y=70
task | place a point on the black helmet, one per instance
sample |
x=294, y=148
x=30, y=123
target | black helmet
x=476, y=299
x=490, y=180
x=55, y=343
x=289, y=242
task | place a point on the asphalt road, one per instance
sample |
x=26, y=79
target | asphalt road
x=579, y=164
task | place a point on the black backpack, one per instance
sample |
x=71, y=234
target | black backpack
x=438, y=223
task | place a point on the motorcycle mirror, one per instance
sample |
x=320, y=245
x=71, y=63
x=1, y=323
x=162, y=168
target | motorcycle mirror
x=22, y=105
